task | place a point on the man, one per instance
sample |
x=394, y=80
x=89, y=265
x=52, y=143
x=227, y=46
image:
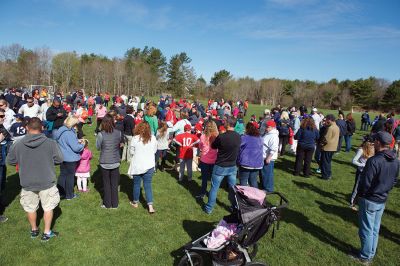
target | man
x=129, y=125
x=9, y=118
x=365, y=121
x=270, y=154
x=30, y=109
x=228, y=145
x=5, y=139
x=329, y=146
x=263, y=123
x=316, y=117
x=377, y=179
x=36, y=156
x=56, y=114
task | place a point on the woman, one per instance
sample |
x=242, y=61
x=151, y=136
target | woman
x=151, y=118
x=250, y=157
x=283, y=128
x=71, y=148
x=208, y=155
x=109, y=141
x=143, y=149
x=306, y=138
x=351, y=128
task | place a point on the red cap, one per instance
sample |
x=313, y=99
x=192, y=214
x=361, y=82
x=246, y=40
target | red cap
x=271, y=123
x=221, y=128
x=214, y=112
x=187, y=127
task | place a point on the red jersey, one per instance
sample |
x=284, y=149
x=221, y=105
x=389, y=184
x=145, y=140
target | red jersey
x=137, y=120
x=186, y=140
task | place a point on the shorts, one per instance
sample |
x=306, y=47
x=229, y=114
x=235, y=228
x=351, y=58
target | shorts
x=49, y=198
x=83, y=175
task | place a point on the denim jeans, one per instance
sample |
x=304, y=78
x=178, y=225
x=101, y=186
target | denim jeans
x=248, y=176
x=206, y=173
x=355, y=187
x=219, y=173
x=370, y=215
x=317, y=155
x=126, y=154
x=268, y=176
x=326, y=159
x=163, y=155
x=3, y=177
x=66, y=180
x=339, y=147
x=347, y=139
x=188, y=163
x=137, y=180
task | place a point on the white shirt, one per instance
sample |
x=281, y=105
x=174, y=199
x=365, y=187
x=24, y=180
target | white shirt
x=9, y=118
x=179, y=127
x=43, y=110
x=317, y=119
x=33, y=111
x=143, y=155
x=271, y=144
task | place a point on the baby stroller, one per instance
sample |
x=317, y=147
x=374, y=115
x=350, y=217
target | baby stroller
x=253, y=218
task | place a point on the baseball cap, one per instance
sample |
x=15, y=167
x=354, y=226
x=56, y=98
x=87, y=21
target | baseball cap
x=20, y=116
x=383, y=137
x=187, y=127
x=315, y=109
x=271, y=123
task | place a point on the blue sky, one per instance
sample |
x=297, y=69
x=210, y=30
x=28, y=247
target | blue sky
x=303, y=39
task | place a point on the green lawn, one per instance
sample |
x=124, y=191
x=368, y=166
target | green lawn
x=317, y=229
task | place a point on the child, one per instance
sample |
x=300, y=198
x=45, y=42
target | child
x=186, y=141
x=363, y=153
x=18, y=130
x=162, y=137
x=83, y=171
x=90, y=114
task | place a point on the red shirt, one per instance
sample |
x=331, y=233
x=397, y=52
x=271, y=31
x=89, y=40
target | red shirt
x=186, y=140
x=138, y=120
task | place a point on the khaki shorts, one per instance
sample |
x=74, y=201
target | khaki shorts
x=49, y=199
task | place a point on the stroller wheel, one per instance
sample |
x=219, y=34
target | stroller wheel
x=197, y=260
x=252, y=250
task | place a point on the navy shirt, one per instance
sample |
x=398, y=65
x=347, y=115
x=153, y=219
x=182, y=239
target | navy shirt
x=17, y=129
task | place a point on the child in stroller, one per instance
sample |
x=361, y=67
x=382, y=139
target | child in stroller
x=252, y=217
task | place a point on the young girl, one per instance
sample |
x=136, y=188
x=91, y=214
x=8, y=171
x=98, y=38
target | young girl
x=83, y=171
x=162, y=145
x=363, y=153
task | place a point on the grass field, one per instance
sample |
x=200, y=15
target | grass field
x=318, y=228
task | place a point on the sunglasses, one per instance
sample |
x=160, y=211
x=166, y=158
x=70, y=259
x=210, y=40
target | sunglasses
x=2, y=116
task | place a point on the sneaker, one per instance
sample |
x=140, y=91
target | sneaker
x=46, y=237
x=35, y=233
x=73, y=197
x=353, y=207
x=3, y=219
x=103, y=206
x=318, y=171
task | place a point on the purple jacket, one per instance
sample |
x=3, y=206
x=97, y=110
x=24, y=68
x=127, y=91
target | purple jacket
x=251, y=152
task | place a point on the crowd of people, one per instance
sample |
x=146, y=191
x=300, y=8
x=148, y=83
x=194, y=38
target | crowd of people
x=38, y=131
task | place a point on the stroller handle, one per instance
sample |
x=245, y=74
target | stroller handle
x=283, y=200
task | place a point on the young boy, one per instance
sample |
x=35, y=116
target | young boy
x=186, y=141
x=17, y=129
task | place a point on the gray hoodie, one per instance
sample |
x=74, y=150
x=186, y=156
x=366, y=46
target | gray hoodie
x=36, y=156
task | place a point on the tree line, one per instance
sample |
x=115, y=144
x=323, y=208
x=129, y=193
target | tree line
x=147, y=71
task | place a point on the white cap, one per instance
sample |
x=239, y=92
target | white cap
x=315, y=109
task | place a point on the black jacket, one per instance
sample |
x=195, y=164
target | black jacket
x=379, y=176
x=51, y=115
x=129, y=125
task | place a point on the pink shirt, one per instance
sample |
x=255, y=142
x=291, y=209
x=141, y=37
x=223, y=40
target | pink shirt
x=208, y=154
x=84, y=163
x=100, y=113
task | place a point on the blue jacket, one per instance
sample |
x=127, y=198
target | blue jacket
x=307, y=138
x=251, y=152
x=68, y=143
x=379, y=176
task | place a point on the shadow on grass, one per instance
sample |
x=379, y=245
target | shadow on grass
x=195, y=230
x=321, y=192
x=302, y=222
x=348, y=215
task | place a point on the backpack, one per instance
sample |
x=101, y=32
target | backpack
x=283, y=129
